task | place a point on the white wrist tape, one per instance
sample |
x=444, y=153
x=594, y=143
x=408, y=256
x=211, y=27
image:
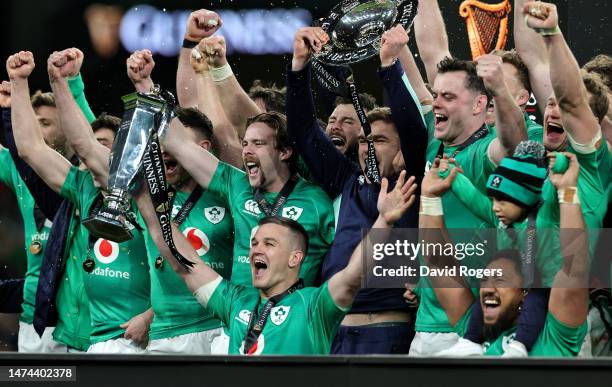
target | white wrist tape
x=221, y=73
x=587, y=148
x=568, y=195
x=431, y=206
x=206, y=291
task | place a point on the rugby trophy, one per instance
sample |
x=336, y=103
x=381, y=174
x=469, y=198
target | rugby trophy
x=144, y=114
x=355, y=28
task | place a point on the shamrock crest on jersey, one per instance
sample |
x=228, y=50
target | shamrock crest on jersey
x=106, y=251
x=214, y=214
x=292, y=212
x=199, y=241
x=279, y=314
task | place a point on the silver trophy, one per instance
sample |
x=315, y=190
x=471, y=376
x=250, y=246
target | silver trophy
x=143, y=114
x=355, y=28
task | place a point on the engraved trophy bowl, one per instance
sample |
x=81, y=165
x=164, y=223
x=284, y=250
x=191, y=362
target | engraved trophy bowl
x=355, y=28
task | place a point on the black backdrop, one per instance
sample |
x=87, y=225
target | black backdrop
x=45, y=26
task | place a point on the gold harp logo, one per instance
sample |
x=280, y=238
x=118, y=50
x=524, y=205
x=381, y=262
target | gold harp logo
x=487, y=25
x=163, y=207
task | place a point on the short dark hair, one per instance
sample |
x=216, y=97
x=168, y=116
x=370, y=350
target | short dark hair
x=380, y=114
x=273, y=97
x=194, y=119
x=368, y=101
x=602, y=65
x=472, y=80
x=294, y=227
x=513, y=58
x=42, y=99
x=107, y=121
x=277, y=122
x=598, y=102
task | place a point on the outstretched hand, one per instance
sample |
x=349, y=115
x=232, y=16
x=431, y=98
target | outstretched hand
x=392, y=205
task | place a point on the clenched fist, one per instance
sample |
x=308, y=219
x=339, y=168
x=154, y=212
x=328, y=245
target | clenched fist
x=490, y=68
x=5, y=94
x=202, y=24
x=20, y=65
x=391, y=44
x=540, y=15
x=139, y=67
x=214, y=51
x=65, y=63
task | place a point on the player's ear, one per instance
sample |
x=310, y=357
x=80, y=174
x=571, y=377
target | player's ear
x=296, y=258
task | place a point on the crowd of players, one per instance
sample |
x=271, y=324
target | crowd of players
x=271, y=205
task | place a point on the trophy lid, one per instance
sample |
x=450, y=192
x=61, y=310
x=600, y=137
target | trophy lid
x=355, y=28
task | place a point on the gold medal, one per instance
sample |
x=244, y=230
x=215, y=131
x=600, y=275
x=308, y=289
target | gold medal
x=36, y=247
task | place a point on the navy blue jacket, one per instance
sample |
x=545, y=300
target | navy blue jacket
x=11, y=295
x=337, y=175
x=53, y=207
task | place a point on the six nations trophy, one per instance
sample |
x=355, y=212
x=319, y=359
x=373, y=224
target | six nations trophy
x=355, y=29
x=144, y=114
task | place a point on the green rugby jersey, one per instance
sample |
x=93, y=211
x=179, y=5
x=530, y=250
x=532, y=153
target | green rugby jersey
x=307, y=204
x=535, y=131
x=303, y=323
x=10, y=177
x=556, y=339
x=474, y=159
x=209, y=228
x=118, y=288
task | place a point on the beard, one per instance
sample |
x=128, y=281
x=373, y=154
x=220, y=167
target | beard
x=505, y=321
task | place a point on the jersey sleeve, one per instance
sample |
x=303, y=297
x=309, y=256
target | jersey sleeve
x=561, y=340
x=473, y=199
x=325, y=316
x=78, y=187
x=6, y=177
x=225, y=180
x=224, y=300
x=77, y=89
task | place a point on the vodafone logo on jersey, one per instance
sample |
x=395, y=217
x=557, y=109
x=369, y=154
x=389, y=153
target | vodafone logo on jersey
x=198, y=240
x=106, y=251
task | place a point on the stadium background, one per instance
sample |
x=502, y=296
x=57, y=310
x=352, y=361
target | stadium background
x=46, y=26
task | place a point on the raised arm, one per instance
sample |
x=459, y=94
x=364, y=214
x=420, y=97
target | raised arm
x=431, y=37
x=200, y=24
x=405, y=108
x=230, y=150
x=578, y=119
x=200, y=273
x=237, y=104
x=569, y=295
x=345, y=284
x=313, y=145
x=46, y=162
x=47, y=200
x=532, y=51
x=200, y=163
x=452, y=293
x=79, y=134
x=414, y=76
x=509, y=118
